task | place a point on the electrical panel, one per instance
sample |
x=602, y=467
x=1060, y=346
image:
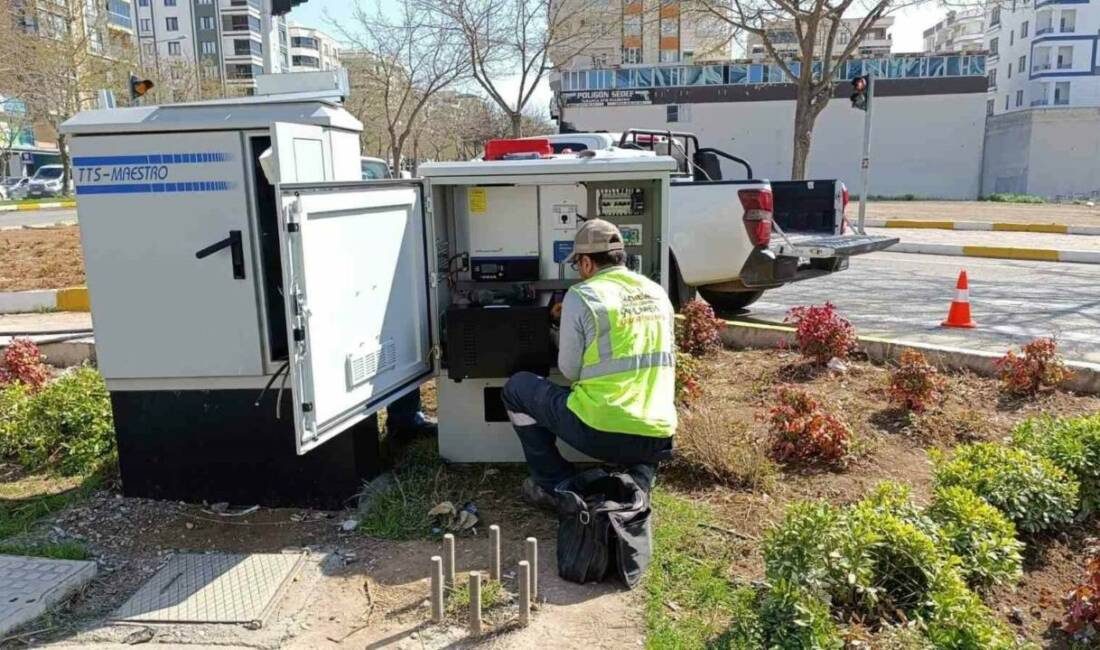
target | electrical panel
x=562, y=209
x=504, y=232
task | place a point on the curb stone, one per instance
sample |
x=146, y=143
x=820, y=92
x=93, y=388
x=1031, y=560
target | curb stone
x=999, y=226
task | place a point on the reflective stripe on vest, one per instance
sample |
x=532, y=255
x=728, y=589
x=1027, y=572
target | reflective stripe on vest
x=609, y=366
x=603, y=321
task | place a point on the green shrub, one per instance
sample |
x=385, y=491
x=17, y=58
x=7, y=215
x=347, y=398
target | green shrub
x=795, y=618
x=957, y=620
x=66, y=426
x=807, y=548
x=1031, y=491
x=1073, y=444
x=14, y=398
x=979, y=535
x=896, y=499
x=1006, y=197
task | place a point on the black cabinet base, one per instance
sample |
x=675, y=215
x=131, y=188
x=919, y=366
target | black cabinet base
x=219, y=446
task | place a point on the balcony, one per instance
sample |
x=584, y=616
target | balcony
x=1039, y=67
x=1040, y=102
x=1044, y=29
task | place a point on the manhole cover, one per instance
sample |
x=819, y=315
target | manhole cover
x=28, y=586
x=213, y=588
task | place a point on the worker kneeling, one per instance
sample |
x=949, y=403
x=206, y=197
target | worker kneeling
x=616, y=345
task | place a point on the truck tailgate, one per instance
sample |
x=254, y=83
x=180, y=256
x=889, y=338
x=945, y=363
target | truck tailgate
x=824, y=246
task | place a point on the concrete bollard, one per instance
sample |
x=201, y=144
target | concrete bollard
x=449, y=560
x=532, y=556
x=494, y=553
x=475, y=603
x=437, y=589
x=524, y=593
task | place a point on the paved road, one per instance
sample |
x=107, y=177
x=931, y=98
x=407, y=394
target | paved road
x=37, y=217
x=906, y=297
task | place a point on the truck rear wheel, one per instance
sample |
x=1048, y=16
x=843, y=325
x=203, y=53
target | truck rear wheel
x=729, y=302
x=679, y=293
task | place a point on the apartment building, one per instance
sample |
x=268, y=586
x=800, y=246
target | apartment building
x=1043, y=54
x=312, y=50
x=877, y=42
x=959, y=31
x=229, y=41
x=634, y=32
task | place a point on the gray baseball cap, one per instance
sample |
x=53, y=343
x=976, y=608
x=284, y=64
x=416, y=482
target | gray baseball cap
x=595, y=236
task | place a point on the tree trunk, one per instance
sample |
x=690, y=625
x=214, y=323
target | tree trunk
x=63, y=149
x=517, y=124
x=804, y=119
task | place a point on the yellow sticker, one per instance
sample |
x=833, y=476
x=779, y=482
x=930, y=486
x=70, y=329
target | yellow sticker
x=479, y=200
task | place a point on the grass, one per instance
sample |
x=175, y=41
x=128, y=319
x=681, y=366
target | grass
x=711, y=444
x=55, y=551
x=690, y=600
x=1005, y=197
x=458, y=601
x=420, y=481
x=26, y=500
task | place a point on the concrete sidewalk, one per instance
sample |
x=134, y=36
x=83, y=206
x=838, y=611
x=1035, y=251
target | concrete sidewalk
x=1081, y=215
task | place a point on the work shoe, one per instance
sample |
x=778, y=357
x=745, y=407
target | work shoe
x=535, y=495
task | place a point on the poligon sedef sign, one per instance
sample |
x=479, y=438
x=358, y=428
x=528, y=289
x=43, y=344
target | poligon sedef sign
x=607, y=97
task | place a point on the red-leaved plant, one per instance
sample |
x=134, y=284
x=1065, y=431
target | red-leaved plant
x=803, y=431
x=1082, y=603
x=688, y=386
x=698, y=331
x=822, y=333
x=1040, y=366
x=23, y=362
x=915, y=383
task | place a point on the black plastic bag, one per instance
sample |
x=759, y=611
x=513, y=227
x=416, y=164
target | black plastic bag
x=603, y=527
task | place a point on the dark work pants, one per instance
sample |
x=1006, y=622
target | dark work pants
x=404, y=412
x=537, y=408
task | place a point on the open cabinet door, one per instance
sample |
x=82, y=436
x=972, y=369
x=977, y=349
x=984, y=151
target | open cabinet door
x=356, y=269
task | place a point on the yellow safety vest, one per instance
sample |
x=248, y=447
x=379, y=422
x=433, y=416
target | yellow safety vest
x=627, y=381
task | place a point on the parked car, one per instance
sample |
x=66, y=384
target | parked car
x=14, y=188
x=46, y=182
x=374, y=168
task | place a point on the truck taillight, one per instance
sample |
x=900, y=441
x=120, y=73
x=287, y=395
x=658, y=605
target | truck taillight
x=757, y=205
x=843, y=208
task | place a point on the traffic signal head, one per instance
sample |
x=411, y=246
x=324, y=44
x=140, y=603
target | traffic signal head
x=859, y=92
x=138, y=87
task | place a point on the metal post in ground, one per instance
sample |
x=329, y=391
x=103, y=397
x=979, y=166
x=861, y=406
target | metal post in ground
x=524, y=578
x=437, y=589
x=494, y=552
x=475, y=603
x=865, y=161
x=449, y=560
x=532, y=557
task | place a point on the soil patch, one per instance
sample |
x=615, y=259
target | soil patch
x=41, y=258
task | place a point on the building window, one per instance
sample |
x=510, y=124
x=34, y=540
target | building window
x=173, y=48
x=206, y=22
x=1019, y=98
x=305, y=61
x=632, y=25
x=1061, y=93
x=169, y=3
x=247, y=46
x=1009, y=70
x=143, y=3
x=995, y=17
x=172, y=24
x=689, y=57
x=993, y=77
x=993, y=42
x=1022, y=64
x=304, y=41
x=150, y=49
x=989, y=107
x=669, y=56
x=209, y=48
x=670, y=28
x=1011, y=37
x=1065, y=57
x=672, y=113
x=1069, y=20
x=1006, y=102
x=146, y=24
x=240, y=23
x=1023, y=29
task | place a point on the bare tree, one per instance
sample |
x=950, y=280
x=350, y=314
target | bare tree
x=515, y=42
x=825, y=44
x=402, y=63
x=65, y=58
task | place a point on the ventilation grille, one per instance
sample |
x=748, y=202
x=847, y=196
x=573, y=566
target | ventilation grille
x=363, y=365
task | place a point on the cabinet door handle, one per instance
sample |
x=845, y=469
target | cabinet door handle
x=236, y=250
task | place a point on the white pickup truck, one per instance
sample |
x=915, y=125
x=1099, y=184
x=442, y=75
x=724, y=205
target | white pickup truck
x=732, y=239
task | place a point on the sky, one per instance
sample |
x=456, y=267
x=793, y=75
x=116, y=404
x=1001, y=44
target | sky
x=909, y=25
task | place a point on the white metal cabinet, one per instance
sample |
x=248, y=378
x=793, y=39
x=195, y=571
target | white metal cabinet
x=147, y=205
x=356, y=273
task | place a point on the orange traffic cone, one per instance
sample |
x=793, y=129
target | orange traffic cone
x=959, y=313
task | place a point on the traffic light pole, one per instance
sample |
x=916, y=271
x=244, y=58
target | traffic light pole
x=865, y=161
